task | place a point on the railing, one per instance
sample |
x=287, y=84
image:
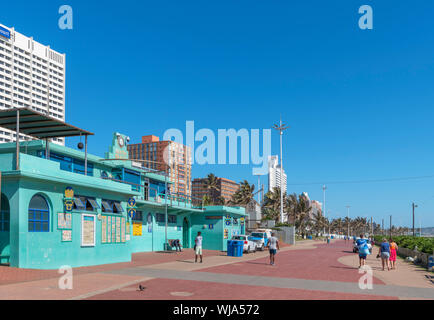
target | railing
x=152, y=194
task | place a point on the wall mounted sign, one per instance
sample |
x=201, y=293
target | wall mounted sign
x=235, y=221
x=137, y=229
x=226, y=234
x=64, y=221
x=88, y=230
x=69, y=199
x=66, y=235
x=213, y=217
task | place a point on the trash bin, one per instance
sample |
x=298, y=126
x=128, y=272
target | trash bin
x=230, y=248
x=238, y=248
x=310, y=237
x=431, y=263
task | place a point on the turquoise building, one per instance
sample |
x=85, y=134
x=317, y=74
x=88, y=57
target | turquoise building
x=66, y=207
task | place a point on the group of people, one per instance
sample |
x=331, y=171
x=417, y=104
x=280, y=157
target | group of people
x=273, y=246
x=387, y=252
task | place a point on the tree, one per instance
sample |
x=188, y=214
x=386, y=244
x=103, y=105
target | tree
x=271, y=205
x=244, y=195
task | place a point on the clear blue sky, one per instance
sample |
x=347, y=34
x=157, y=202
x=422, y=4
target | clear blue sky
x=359, y=103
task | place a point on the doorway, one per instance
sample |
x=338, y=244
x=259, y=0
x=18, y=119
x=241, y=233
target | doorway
x=185, y=234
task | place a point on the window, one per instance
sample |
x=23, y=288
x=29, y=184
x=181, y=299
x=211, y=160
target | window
x=93, y=204
x=117, y=208
x=78, y=204
x=171, y=218
x=161, y=218
x=106, y=206
x=39, y=220
x=138, y=217
x=4, y=214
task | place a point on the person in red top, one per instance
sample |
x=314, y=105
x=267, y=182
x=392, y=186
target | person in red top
x=393, y=249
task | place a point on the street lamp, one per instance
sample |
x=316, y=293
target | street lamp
x=324, y=188
x=414, y=206
x=281, y=127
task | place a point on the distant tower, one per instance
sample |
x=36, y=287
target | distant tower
x=274, y=174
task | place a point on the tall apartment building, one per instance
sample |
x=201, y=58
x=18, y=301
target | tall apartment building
x=31, y=75
x=225, y=188
x=158, y=153
x=274, y=176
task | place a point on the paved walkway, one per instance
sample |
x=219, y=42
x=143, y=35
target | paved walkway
x=309, y=270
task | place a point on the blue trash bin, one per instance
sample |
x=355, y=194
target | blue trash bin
x=238, y=248
x=230, y=248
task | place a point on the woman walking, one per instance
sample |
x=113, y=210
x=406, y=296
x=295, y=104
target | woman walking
x=393, y=249
x=384, y=253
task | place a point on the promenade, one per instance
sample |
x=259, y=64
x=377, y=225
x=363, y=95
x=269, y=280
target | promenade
x=308, y=270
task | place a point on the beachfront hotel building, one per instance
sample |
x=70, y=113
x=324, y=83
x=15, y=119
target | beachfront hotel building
x=32, y=75
x=274, y=174
x=225, y=188
x=158, y=155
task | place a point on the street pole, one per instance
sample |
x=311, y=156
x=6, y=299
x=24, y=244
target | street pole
x=165, y=199
x=390, y=230
x=372, y=228
x=281, y=127
x=324, y=200
x=382, y=226
x=414, y=206
x=348, y=218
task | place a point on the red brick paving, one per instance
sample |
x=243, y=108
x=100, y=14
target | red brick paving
x=317, y=264
x=10, y=275
x=162, y=289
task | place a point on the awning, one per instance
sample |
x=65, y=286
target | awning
x=38, y=125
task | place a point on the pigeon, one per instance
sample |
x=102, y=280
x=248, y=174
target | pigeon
x=141, y=288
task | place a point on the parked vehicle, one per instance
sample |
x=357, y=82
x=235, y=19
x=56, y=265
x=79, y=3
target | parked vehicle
x=261, y=239
x=249, y=244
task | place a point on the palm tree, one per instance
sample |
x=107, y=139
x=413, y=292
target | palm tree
x=244, y=194
x=271, y=204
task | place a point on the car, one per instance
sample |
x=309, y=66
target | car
x=249, y=244
x=261, y=239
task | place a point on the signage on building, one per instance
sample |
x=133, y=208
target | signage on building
x=5, y=33
x=226, y=234
x=69, y=199
x=137, y=229
x=213, y=217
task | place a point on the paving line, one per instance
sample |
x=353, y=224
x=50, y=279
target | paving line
x=286, y=283
x=120, y=286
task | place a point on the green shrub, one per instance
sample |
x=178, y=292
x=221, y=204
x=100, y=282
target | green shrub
x=425, y=245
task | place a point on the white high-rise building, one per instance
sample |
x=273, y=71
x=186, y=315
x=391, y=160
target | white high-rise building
x=31, y=75
x=274, y=174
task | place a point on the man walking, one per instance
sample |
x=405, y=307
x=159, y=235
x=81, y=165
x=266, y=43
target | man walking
x=198, y=246
x=362, y=245
x=273, y=245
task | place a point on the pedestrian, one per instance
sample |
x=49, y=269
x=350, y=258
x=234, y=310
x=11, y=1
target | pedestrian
x=363, y=249
x=177, y=244
x=393, y=250
x=198, y=246
x=384, y=253
x=273, y=245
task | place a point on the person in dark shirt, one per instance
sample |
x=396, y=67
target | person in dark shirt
x=384, y=253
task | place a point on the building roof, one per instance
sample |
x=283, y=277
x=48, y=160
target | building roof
x=38, y=125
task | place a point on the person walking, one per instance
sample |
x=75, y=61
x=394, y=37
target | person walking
x=384, y=253
x=362, y=245
x=273, y=245
x=198, y=246
x=393, y=250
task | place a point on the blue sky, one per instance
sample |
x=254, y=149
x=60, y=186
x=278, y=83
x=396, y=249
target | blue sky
x=359, y=102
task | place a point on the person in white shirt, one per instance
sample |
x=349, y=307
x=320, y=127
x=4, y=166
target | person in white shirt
x=198, y=246
x=273, y=245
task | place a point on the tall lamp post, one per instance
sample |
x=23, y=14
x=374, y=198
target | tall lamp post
x=324, y=188
x=281, y=127
x=414, y=206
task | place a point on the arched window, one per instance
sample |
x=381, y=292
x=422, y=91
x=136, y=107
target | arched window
x=4, y=214
x=39, y=214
